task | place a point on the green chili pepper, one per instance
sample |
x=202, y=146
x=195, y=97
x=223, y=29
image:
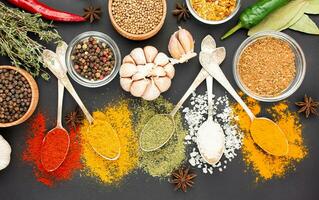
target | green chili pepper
x=254, y=14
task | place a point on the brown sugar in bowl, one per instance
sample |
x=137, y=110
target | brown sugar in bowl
x=34, y=99
x=137, y=37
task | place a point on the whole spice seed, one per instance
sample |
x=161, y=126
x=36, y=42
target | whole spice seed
x=32, y=153
x=181, y=12
x=92, y=13
x=214, y=10
x=137, y=16
x=93, y=59
x=266, y=166
x=308, y=106
x=267, y=66
x=196, y=114
x=162, y=162
x=15, y=95
x=183, y=179
x=106, y=171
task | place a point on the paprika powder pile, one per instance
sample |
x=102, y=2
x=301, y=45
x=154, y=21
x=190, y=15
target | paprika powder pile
x=32, y=153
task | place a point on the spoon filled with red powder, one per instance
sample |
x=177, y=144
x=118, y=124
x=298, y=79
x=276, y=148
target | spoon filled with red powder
x=55, y=145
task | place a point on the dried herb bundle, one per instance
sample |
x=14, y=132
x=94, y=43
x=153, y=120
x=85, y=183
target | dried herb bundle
x=16, y=27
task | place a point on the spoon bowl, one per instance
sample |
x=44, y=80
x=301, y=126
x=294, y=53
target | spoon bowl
x=52, y=144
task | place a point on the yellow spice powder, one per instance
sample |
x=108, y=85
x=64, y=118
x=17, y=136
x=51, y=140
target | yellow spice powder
x=264, y=165
x=112, y=172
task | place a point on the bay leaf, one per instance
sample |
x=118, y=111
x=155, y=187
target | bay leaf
x=279, y=18
x=312, y=7
x=305, y=25
x=298, y=15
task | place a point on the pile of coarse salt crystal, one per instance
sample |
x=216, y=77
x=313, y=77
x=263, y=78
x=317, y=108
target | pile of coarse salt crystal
x=196, y=114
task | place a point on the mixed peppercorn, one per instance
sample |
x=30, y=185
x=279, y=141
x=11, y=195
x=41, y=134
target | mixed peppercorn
x=15, y=95
x=93, y=59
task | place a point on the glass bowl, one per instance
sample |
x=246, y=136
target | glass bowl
x=102, y=37
x=212, y=22
x=299, y=60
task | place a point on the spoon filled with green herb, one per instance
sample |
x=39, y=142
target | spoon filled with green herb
x=161, y=127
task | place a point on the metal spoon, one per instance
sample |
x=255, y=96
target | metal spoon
x=52, y=61
x=214, y=70
x=202, y=75
x=60, y=51
x=211, y=128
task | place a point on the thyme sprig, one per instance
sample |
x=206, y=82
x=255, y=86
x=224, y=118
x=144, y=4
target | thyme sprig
x=17, y=30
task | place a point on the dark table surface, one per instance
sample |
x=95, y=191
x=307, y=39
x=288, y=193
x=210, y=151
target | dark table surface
x=18, y=181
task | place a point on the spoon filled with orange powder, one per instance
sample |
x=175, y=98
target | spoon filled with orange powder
x=265, y=133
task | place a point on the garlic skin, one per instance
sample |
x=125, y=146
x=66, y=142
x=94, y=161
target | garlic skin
x=150, y=53
x=138, y=56
x=146, y=73
x=5, y=153
x=181, y=46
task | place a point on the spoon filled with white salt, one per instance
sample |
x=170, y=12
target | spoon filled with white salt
x=210, y=135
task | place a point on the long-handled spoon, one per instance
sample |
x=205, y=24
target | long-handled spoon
x=202, y=75
x=51, y=60
x=278, y=137
x=210, y=135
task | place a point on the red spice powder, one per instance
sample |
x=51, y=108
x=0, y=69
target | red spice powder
x=32, y=153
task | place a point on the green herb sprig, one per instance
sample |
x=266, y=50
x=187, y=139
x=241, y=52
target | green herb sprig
x=16, y=27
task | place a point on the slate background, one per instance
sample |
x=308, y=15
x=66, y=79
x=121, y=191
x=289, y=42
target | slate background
x=17, y=182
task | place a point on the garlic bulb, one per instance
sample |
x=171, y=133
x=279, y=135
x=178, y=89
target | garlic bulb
x=181, y=46
x=5, y=152
x=146, y=73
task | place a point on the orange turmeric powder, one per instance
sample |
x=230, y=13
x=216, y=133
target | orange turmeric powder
x=265, y=165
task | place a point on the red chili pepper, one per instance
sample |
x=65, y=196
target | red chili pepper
x=34, y=6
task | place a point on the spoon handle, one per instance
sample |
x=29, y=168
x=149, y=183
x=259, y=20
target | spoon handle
x=60, y=103
x=209, y=83
x=215, y=71
x=68, y=85
x=198, y=80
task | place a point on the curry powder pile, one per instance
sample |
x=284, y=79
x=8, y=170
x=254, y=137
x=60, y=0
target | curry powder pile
x=112, y=172
x=264, y=165
x=162, y=162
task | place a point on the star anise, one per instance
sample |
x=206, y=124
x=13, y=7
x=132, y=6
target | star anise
x=309, y=106
x=74, y=118
x=181, y=12
x=92, y=13
x=183, y=179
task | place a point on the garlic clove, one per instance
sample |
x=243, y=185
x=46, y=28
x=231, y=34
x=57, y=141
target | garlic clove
x=151, y=92
x=128, y=70
x=138, y=56
x=126, y=84
x=138, y=87
x=161, y=59
x=158, y=71
x=163, y=83
x=5, y=153
x=175, y=48
x=128, y=59
x=150, y=53
x=186, y=40
x=170, y=70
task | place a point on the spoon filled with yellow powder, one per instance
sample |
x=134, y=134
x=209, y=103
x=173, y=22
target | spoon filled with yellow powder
x=265, y=133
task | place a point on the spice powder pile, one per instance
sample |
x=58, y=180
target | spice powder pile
x=267, y=66
x=32, y=153
x=162, y=162
x=137, y=16
x=196, y=114
x=214, y=10
x=264, y=165
x=106, y=171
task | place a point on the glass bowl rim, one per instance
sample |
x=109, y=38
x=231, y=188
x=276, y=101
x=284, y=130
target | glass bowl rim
x=85, y=82
x=213, y=22
x=293, y=87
